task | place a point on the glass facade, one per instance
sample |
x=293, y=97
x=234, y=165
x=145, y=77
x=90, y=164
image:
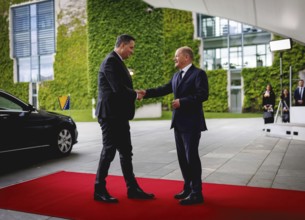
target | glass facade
x=233, y=46
x=33, y=40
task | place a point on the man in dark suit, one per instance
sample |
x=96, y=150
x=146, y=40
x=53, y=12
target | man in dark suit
x=299, y=94
x=190, y=88
x=115, y=107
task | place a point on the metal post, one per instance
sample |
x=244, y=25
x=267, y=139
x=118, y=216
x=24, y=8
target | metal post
x=33, y=94
x=290, y=87
x=281, y=71
x=280, y=106
x=93, y=107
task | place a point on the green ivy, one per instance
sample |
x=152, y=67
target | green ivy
x=70, y=70
x=256, y=79
x=6, y=63
x=178, y=31
x=106, y=20
x=158, y=35
x=218, y=95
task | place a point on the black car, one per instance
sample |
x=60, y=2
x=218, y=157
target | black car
x=24, y=127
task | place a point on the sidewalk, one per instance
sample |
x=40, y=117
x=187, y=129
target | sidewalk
x=232, y=151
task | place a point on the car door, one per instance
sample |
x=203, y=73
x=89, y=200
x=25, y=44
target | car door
x=21, y=125
x=9, y=123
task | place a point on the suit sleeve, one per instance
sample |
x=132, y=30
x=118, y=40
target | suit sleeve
x=159, y=91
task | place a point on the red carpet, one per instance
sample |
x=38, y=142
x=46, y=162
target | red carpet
x=70, y=195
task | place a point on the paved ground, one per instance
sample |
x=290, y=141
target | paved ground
x=232, y=151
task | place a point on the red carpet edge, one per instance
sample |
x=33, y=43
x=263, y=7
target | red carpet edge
x=70, y=195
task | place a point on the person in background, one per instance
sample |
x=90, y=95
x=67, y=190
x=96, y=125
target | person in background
x=115, y=107
x=299, y=94
x=190, y=88
x=285, y=105
x=268, y=104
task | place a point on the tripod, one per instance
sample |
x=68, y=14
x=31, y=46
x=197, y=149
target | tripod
x=279, y=108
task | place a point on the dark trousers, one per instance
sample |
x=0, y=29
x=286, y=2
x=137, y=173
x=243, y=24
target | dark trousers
x=188, y=156
x=116, y=137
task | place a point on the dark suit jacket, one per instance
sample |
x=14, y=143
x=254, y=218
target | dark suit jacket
x=116, y=97
x=192, y=90
x=297, y=96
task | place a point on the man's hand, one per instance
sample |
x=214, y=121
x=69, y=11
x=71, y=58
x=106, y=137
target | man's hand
x=176, y=103
x=141, y=93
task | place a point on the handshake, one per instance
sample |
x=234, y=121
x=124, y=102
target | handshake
x=141, y=93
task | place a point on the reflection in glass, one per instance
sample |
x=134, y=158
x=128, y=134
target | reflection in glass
x=46, y=67
x=35, y=69
x=34, y=36
x=235, y=27
x=24, y=67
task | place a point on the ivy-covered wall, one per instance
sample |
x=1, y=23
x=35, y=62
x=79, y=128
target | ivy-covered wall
x=158, y=34
x=218, y=95
x=70, y=67
x=255, y=81
x=106, y=20
x=178, y=31
x=6, y=63
x=70, y=70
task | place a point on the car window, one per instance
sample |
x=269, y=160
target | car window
x=6, y=104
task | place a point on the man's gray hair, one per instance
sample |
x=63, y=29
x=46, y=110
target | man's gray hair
x=188, y=51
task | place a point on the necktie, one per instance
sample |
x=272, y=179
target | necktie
x=180, y=74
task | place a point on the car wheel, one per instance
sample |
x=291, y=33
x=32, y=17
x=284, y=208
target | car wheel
x=64, y=142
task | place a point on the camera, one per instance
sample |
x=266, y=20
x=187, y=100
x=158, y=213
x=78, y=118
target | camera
x=149, y=10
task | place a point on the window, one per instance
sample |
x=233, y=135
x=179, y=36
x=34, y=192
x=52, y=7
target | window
x=235, y=27
x=33, y=40
x=235, y=57
x=6, y=104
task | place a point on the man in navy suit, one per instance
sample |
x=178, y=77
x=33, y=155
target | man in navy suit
x=115, y=107
x=299, y=94
x=190, y=88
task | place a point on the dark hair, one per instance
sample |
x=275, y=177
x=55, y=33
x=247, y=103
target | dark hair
x=271, y=88
x=124, y=38
x=283, y=95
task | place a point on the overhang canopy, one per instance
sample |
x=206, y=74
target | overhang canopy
x=281, y=17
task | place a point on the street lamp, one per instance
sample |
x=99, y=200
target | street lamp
x=280, y=45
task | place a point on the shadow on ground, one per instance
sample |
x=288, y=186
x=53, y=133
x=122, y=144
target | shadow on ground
x=21, y=160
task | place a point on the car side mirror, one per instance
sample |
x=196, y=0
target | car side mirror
x=31, y=108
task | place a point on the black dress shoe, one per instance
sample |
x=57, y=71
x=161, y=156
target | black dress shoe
x=137, y=193
x=192, y=199
x=105, y=197
x=182, y=195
